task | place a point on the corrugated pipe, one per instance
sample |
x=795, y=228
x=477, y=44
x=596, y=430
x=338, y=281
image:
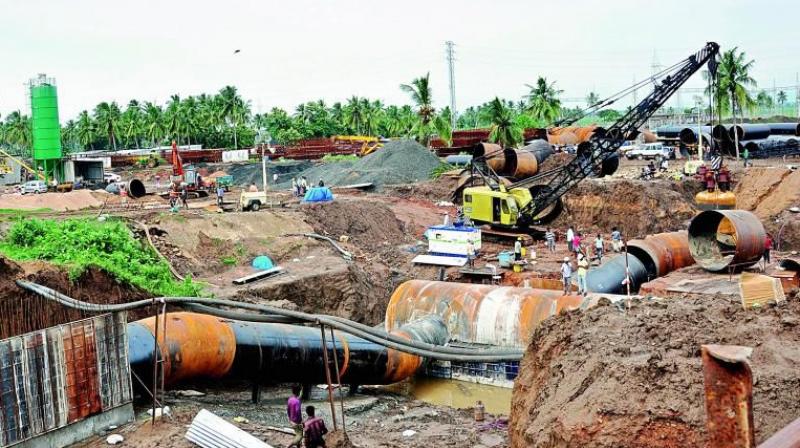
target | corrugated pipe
x=662, y=253
x=203, y=346
x=722, y=239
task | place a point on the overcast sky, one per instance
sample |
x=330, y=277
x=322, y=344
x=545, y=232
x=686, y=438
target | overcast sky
x=301, y=50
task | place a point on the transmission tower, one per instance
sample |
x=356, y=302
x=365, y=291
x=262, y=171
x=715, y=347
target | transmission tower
x=450, y=65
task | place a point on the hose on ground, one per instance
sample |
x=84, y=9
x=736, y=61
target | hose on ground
x=368, y=333
x=345, y=254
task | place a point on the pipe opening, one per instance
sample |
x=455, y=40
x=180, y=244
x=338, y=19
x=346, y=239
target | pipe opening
x=647, y=260
x=136, y=189
x=719, y=239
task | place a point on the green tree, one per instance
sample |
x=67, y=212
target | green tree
x=153, y=123
x=132, y=124
x=420, y=92
x=107, y=117
x=543, y=102
x=592, y=98
x=233, y=110
x=781, y=99
x=764, y=100
x=85, y=130
x=504, y=130
x=18, y=130
x=733, y=79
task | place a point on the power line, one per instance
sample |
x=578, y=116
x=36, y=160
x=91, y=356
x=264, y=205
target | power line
x=450, y=64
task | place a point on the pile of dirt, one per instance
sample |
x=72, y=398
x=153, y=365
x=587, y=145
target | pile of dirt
x=768, y=191
x=22, y=312
x=338, y=439
x=368, y=224
x=74, y=200
x=436, y=190
x=556, y=160
x=607, y=378
x=398, y=162
x=637, y=208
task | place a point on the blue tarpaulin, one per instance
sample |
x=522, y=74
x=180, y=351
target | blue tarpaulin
x=318, y=194
x=263, y=262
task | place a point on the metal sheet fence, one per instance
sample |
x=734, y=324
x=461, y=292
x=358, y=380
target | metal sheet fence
x=56, y=376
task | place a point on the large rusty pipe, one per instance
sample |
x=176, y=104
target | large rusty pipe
x=519, y=164
x=662, y=253
x=483, y=314
x=722, y=239
x=203, y=346
x=493, y=153
x=728, y=383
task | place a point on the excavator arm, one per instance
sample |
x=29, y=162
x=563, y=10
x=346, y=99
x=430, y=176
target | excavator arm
x=549, y=187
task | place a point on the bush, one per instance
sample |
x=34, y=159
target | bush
x=80, y=243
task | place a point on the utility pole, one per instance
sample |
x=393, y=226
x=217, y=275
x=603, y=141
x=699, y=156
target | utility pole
x=797, y=93
x=450, y=65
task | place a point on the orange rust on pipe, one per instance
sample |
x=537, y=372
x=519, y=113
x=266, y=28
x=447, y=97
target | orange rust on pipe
x=719, y=239
x=486, y=314
x=197, y=345
x=519, y=164
x=341, y=339
x=662, y=253
x=729, y=396
x=494, y=154
x=399, y=365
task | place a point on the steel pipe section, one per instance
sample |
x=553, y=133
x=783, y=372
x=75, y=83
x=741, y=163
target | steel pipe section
x=483, y=314
x=749, y=131
x=541, y=149
x=688, y=135
x=662, y=253
x=519, y=164
x=784, y=129
x=494, y=154
x=610, y=276
x=722, y=239
x=720, y=133
x=669, y=132
x=136, y=188
x=203, y=346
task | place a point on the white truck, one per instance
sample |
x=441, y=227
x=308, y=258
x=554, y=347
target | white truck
x=649, y=151
x=252, y=200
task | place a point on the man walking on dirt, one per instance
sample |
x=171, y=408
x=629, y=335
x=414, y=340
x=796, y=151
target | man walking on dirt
x=518, y=249
x=550, y=239
x=566, y=274
x=746, y=157
x=570, y=237
x=184, y=197
x=616, y=240
x=314, y=429
x=583, y=267
x=295, y=416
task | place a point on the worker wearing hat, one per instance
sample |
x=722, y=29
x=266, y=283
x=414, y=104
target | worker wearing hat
x=566, y=275
x=518, y=249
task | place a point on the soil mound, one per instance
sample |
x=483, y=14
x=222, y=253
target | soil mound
x=398, y=162
x=22, y=312
x=637, y=208
x=368, y=224
x=73, y=200
x=338, y=439
x=768, y=191
x=606, y=378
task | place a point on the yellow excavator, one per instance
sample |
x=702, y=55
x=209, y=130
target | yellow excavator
x=537, y=199
x=369, y=144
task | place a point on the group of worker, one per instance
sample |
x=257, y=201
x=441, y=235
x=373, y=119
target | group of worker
x=575, y=245
x=649, y=171
x=178, y=192
x=311, y=432
x=299, y=186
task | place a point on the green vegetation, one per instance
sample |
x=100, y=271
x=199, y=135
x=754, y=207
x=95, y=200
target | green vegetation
x=441, y=169
x=229, y=261
x=80, y=243
x=17, y=211
x=333, y=158
x=504, y=130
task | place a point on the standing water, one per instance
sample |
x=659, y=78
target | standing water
x=457, y=394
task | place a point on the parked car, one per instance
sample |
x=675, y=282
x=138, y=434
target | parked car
x=111, y=178
x=649, y=151
x=34, y=186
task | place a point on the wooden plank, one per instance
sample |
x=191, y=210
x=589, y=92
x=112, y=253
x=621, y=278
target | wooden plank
x=260, y=275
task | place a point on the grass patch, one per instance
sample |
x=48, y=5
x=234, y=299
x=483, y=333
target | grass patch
x=78, y=244
x=441, y=169
x=17, y=211
x=331, y=158
x=229, y=261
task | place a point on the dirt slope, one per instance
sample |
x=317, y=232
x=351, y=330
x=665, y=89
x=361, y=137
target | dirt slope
x=603, y=378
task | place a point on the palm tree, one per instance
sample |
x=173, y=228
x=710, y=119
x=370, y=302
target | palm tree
x=354, y=115
x=781, y=99
x=85, y=130
x=132, y=123
x=503, y=128
x=592, y=98
x=543, y=102
x=153, y=123
x=18, y=130
x=764, y=100
x=232, y=110
x=420, y=92
x=107, y=116
x=733, y=78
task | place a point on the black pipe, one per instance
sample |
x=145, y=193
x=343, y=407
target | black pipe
x=784, y=129
x=609, y=277
x=136, y=188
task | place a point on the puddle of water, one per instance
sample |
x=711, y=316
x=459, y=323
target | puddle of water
x=457, y=394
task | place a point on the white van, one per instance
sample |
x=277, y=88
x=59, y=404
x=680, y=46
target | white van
x=34, y=186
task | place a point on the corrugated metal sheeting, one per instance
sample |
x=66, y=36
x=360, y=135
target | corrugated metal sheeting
x=57, y=376
x=209, y=431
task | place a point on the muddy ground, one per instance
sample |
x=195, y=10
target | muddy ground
x=607, y=378
x=374, y=418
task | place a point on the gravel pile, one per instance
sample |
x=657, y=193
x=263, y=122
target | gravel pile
x=250, y=173
x=398, y=162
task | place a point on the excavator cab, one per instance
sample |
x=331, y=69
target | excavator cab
x=484, y=205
